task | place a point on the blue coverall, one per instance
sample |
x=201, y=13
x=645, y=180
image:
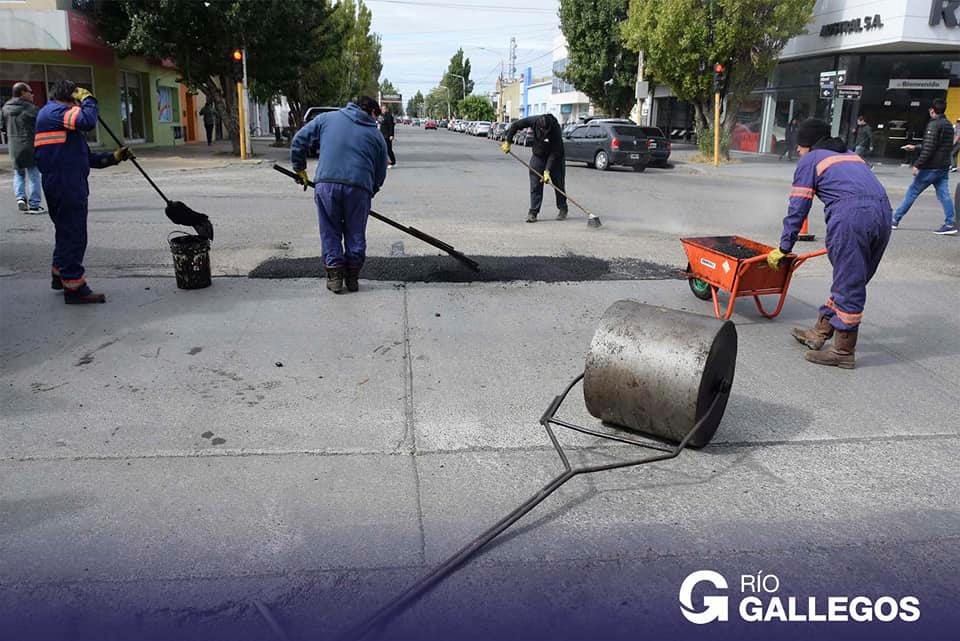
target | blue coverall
x=858, y=226
x=65, y=160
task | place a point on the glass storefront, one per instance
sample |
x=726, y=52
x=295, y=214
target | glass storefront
x=131, y=106
x=40, y=77
x=897, y=115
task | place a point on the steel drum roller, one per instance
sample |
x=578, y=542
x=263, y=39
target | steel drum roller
x=658, y=370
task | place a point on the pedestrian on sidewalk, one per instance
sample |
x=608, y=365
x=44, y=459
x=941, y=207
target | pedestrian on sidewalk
x=19, y=120
x=857, y=215
x=65, y=160
x=932, y=168
x=955, y=152
x=791, y=138
x=863, y=138
x=388, y=128
x=547, y=160
x=351, y=168
x=209, y=113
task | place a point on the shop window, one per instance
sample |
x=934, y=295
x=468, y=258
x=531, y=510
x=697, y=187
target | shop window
x=168, y=105
x=13, y=72
x=132, y=106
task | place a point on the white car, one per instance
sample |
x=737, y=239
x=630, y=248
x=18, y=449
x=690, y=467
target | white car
x=481, y=128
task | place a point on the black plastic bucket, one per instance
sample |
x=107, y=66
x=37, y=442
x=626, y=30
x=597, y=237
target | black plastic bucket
x=191, y=261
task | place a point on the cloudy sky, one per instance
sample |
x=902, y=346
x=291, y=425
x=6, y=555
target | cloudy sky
x=420, y=36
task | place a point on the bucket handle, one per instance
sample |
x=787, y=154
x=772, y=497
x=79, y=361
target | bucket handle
x=176, y=231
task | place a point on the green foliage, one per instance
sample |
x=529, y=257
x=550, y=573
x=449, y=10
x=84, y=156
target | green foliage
x=461, y=66
x=436, y=104
x=386, y=87
x=416, y=107
x=476, y=108
x=598, y=64
x=198, y=37
x=683, y=39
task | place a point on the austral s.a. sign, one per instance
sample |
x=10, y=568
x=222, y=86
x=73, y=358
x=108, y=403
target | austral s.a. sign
x=866, y=23
x=947, y=11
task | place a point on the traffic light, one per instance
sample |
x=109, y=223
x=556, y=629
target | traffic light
x=718, y=76
x=236, y=65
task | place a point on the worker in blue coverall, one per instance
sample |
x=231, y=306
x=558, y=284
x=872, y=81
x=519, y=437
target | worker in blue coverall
x=858, y=228
x=351, y=168
x=64, y=160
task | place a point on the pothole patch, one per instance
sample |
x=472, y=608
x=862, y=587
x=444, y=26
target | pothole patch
x=444, y=269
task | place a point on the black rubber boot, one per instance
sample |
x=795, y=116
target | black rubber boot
x=353, y=279
x=335, y=279
x=532, y=216
x=55, y=282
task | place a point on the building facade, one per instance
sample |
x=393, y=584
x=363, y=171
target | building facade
x=885, y=59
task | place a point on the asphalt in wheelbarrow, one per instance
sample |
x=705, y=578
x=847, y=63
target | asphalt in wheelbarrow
x=728, y=246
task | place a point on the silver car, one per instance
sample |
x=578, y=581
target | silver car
x=481, y=128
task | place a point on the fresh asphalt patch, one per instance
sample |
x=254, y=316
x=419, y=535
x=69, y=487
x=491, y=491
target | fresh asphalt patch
x=445, y=269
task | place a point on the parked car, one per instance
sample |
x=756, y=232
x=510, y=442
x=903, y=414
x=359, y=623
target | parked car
x=443, y=124
x=602, y=144
x=498, y=130
x=482, y=128
x=524, y=137
x=309, y=115
x=430, y=124
x=659, y=146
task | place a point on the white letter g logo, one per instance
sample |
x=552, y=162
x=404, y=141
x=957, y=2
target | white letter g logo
x=715, y=607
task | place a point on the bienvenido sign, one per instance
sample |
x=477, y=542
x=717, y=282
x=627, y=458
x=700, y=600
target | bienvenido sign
x=911, y=83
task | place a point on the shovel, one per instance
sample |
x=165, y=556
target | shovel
x=176, y=211
x=413, y=231
x=592, y=219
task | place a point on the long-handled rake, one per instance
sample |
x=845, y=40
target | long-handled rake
x=175, y=210
x=592, y=219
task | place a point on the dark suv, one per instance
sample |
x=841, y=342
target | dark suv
x=604, y=143
x=659, y=146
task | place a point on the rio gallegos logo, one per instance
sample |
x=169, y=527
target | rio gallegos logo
x=760, y=603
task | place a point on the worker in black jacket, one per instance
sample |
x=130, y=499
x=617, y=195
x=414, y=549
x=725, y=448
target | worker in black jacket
x=547, y=160
x=388, y=128
x=932, y=167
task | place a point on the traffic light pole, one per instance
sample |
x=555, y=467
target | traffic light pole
x=716, y=129
x=242, y=121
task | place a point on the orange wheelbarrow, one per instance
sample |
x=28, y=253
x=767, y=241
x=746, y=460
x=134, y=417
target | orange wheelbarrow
x=739, y=266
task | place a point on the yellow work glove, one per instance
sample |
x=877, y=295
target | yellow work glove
x=303, y=179
x=546, y=176
x=505, y=147
x=122, y=153
x=81, y=94
x=774, y=258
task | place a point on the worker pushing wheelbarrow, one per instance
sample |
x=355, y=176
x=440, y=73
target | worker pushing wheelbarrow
x=858, y=218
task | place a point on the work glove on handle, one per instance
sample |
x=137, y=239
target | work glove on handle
x=546, y=176
x=302, y=178
x=122, y=153
x=505, y=147
x=774, y=258
x=81, y=94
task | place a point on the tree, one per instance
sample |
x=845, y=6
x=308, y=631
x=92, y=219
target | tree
x=476, y=108
x=436, y=104
x=198, y=38
x=683, y=39
x=598, y=63
x=461, y=67
x=415, y=106
x=386, y=87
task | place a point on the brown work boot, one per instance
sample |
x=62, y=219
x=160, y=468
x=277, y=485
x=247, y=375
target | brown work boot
x=353, y=279
x=840, y=353
x=816, y=337
x=82, y=295
x=335, y=279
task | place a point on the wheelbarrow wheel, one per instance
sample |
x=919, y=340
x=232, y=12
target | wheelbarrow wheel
x=700, y=288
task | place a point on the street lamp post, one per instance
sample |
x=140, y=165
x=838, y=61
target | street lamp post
x=463, y=80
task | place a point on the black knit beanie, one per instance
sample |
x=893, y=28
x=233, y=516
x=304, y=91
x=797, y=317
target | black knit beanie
x=811, y=131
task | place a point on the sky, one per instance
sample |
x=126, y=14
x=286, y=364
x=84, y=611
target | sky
x=420, y=36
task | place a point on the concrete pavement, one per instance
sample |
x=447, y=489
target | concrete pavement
x=172, y=461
